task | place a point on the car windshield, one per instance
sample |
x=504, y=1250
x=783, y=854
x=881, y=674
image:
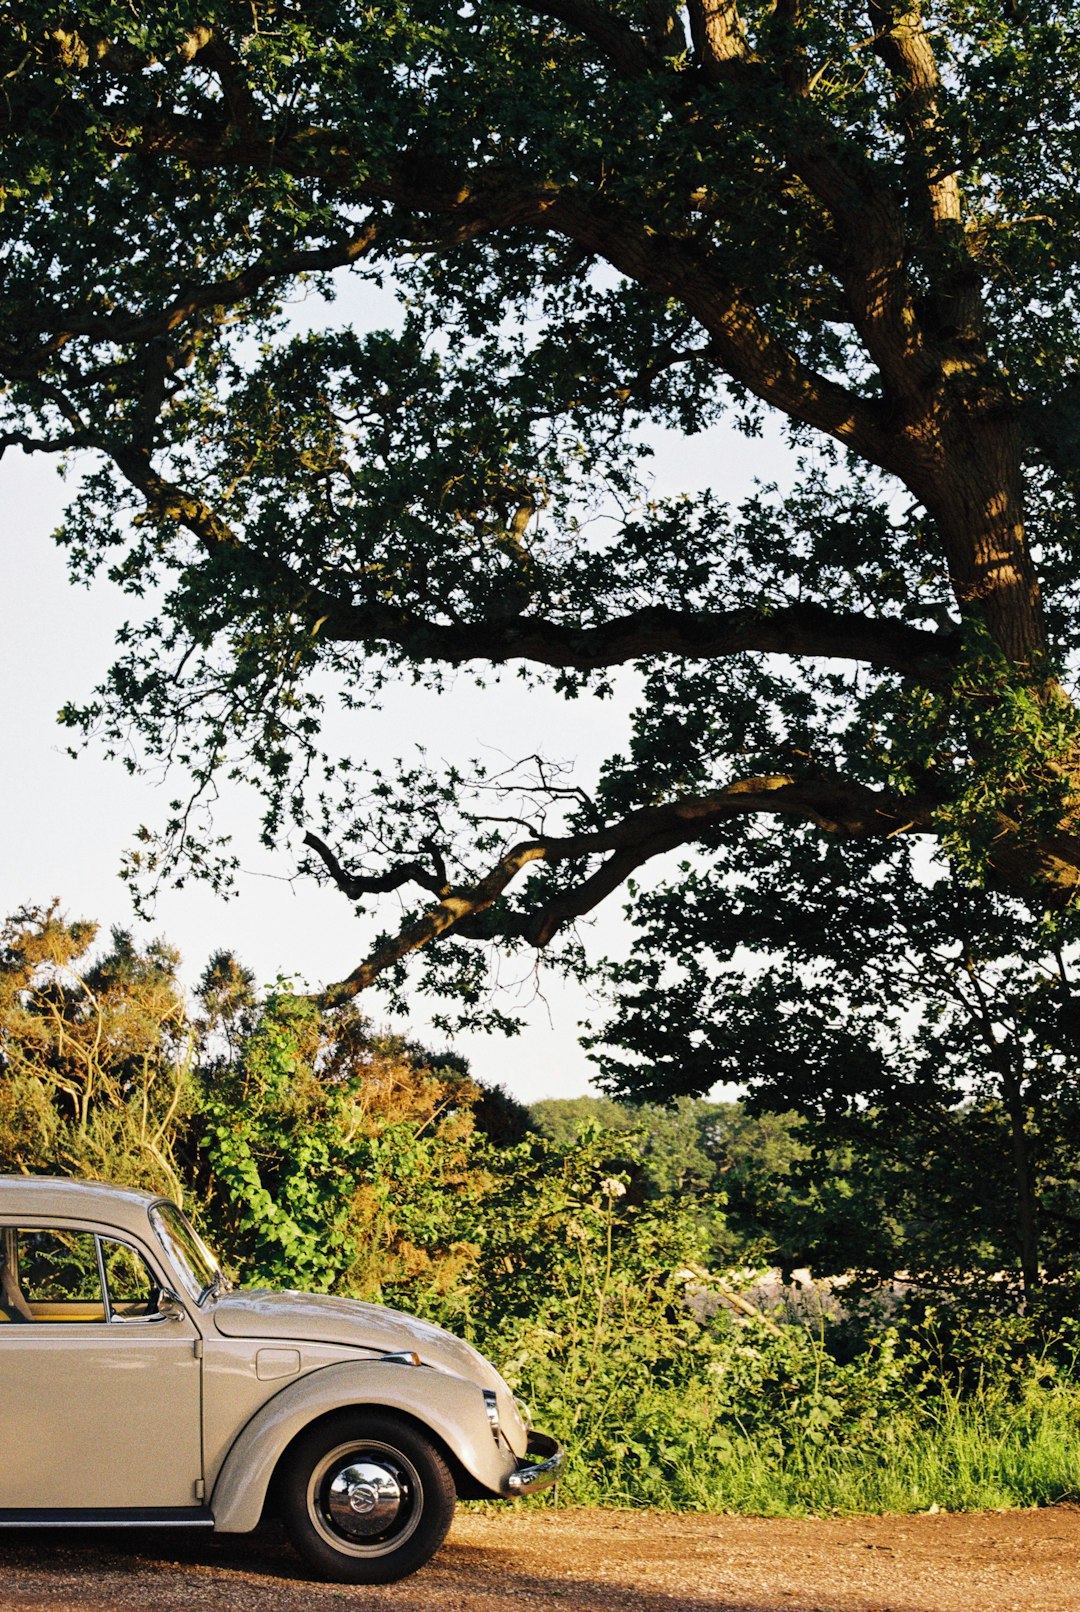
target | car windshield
x=190, y=1256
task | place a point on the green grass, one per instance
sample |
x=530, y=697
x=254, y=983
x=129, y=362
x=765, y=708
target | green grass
x=978, y=1452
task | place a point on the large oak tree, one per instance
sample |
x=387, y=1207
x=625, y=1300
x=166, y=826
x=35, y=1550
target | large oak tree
x=860, y=222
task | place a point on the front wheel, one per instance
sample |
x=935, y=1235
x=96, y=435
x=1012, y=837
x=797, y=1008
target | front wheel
x=366, y=1498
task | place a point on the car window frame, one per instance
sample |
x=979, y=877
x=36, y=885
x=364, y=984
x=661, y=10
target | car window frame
x=154, y=1217
x=111, y=1316
x=55, y=1225
x=99, y=1231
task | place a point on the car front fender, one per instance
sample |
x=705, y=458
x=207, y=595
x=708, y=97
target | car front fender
x=452, y=1408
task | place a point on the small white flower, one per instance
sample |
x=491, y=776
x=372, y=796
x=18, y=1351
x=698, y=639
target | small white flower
x=612, y=1188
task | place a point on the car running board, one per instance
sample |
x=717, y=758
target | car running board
x=107, y=1517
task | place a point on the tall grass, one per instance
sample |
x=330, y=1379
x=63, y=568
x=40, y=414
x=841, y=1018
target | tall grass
x=656, y=1409
x=985, y=1449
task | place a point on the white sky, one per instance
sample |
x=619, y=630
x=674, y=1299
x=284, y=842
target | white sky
x=65, y=823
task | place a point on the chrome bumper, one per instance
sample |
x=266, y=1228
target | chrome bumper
x=531, y=1477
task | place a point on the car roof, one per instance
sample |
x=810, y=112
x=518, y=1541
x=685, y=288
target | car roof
x=98, y=1201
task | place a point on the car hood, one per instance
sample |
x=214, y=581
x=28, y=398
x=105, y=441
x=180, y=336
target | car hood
x=318, y=1318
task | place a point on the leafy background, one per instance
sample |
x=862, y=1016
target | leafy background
x=604, y=1256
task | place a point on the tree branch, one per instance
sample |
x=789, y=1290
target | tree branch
x=75, y=50
x=465, y=204
x=626, y=50
x=355, y=885
x=124, y=326
x=171, y=502
x=904, y=46
x=482, y=200
x=719, y=40
x=30, y=444
x=834, y=804
x=797, y=629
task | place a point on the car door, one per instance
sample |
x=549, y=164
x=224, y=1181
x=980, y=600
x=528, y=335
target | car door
x=100, y=1394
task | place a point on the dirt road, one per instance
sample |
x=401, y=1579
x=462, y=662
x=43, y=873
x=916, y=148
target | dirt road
x=598, y=1561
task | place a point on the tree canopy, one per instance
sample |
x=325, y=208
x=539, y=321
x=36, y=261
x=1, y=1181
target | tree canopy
x=596, y=220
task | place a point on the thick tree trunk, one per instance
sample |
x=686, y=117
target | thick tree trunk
x=972, y=486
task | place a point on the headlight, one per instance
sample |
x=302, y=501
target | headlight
x=525, y=1413
x=491, y=1405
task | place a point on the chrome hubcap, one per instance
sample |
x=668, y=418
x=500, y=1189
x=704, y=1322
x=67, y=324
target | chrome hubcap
x=365, y=1498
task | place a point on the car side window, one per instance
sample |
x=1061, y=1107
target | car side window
x=55, y=1274
x=132, y=1290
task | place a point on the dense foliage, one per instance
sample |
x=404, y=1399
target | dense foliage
x=96, y=1053
x=578, y=226
x=590, y=1257
x=917, y=1022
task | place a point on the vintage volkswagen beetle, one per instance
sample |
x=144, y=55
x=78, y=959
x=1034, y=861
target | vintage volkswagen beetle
x=138, y=1388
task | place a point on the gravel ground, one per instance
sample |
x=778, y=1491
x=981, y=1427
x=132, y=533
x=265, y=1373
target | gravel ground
x=599, y=1561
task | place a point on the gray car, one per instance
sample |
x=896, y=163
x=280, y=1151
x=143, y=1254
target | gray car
x=138, y=1388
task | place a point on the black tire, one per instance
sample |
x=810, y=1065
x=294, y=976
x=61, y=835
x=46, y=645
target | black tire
x=366, y=1498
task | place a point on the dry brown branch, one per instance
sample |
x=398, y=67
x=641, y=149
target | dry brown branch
x=834, y=804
